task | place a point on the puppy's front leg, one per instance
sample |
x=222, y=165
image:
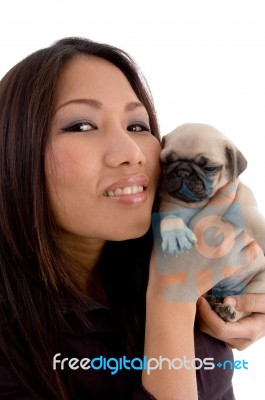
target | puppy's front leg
x=176, y=236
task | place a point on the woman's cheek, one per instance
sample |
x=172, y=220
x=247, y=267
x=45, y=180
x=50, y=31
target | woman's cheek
x=154, y=158
x=64, y=159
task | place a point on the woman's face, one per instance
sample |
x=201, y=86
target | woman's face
x=102, y=162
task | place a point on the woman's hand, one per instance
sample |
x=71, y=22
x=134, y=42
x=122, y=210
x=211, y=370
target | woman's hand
x=221, y=249
x=239, y=334
x=246, y=331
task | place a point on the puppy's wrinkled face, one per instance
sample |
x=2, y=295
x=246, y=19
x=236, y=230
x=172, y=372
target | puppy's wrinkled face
x=190, y=179
x=196, y=161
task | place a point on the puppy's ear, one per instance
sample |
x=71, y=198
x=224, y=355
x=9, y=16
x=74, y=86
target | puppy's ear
x=236, y=161
x=163, y=142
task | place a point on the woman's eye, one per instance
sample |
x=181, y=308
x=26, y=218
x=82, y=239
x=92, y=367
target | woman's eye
x=79, y=127
x=138, y=127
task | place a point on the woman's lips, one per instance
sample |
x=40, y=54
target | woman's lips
x=125, y=190
x=129, y=190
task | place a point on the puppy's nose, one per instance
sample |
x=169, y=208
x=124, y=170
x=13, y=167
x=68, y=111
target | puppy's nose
x=183, y=173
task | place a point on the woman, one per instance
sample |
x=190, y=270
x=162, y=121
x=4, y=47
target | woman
x=79, y=169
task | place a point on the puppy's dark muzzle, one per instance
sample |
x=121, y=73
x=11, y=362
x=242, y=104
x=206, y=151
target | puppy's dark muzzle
x=184, y=183
x=183, y=174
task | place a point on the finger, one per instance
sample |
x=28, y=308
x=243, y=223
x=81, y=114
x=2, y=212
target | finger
x=254, y=328
x=239, y=344
x=240, y=333
x=215, y=326
x=247, y=302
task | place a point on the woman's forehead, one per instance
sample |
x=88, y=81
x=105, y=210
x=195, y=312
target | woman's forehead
x=92, y=77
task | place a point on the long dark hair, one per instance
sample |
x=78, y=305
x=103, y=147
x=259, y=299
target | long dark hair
x=35, y=277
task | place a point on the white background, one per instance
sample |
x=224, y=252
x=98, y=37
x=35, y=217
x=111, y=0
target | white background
x=204, y=61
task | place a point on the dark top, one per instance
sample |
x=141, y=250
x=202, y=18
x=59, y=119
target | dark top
x=103, y=339
x=126, y=278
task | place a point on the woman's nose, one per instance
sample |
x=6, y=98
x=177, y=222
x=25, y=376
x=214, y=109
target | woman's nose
x=121, y=148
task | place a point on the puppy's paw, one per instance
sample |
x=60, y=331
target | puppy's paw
x=178, y=240
x=226, y=312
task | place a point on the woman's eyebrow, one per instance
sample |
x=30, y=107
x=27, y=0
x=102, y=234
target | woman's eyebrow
x=98, y=105
x=90, y=102
x=133, y=105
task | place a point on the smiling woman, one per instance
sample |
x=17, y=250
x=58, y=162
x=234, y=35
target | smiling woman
x=77, y=127
x=79, y=151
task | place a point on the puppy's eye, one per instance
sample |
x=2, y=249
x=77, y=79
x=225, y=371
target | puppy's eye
x=212, y=169
x=168, y=159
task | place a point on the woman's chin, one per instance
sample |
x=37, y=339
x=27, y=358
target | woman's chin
x=133, y=232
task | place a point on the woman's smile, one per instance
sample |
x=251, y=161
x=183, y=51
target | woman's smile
x=131, y=190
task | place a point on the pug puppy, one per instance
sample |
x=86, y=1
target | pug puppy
x=197, y=160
